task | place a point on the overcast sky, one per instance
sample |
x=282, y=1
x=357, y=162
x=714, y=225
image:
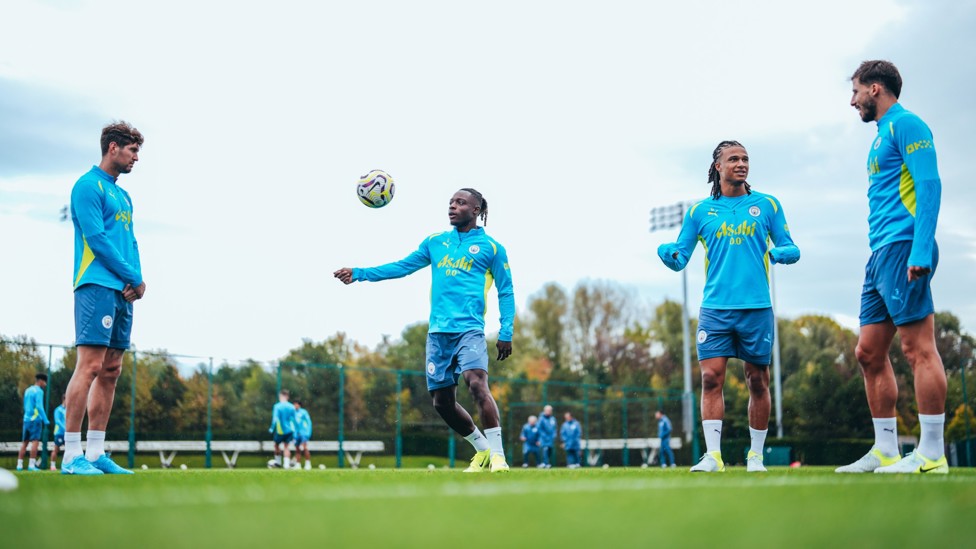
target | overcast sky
x=573, y=119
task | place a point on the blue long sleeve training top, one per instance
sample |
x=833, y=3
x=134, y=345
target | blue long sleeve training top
x=663, y=427
x=570, y=432
x=283, y=418
x=303, y=423
x=735, y=233
x=464, y=266
x=106, y=252
x=34, y=404
x=547, y=429
x=59, y=420
x=904, y=189
x=530, y=433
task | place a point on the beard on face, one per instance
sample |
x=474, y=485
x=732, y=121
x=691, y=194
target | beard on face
x=869, y=110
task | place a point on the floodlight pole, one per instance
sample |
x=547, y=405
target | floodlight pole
x=670, y=217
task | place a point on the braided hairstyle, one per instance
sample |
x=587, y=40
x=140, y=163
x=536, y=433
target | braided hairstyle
x=713, y=175
x=482, y=202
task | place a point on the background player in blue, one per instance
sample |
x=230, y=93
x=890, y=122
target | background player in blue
x=35, y=418
x=904, y=192
x=530, y=441
x=570, y=433
x=547, y=435
x=735, y=227
x=464, y=263
x=58, y=434
x=107, y=280
x=282, y=429
x=664, y=433
x=303, y=433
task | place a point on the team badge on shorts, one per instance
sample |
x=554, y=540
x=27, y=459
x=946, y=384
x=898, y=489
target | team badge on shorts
x=754, y=211
x=702, y=336
x=430, y=368
x=474, y=249
x=107, y=322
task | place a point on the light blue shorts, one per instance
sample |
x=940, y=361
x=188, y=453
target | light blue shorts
x=450, y=354
x=103, y=318
x=746, y=334
x=887, y=293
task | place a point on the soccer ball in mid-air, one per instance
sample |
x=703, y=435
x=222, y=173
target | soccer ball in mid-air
x=375, y=189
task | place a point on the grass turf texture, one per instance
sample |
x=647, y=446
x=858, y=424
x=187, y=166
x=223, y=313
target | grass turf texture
x=807, y=507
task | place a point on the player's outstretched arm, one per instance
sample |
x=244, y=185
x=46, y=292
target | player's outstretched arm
x=675, y=255
x=344, y=275
x=785, y=251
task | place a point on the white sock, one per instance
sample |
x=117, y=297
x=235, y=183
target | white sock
x=713, y=435
x=32, y=462
x=494, y=436
x=286, y=463
x=758, y=439
x=96, y=445
x=886, y=435
x=478, y=440
x=72, y=447
x=20, y=464
x=277, y=459
x=930, y=444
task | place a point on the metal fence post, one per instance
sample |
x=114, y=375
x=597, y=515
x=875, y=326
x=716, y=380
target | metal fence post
x=623, y=422
x=132, y=413
x=399, y=417
x=208, y=463
x=695, y=446
x=45, y=433
x=277, y=381
x=451, y=448
x=586, y=420
x=342, y=407
x=965, y=407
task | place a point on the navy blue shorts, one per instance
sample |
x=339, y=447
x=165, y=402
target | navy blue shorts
x=746, y=334
x=300, y=440
x=285, y=438
x=103, y=318
x=887, y=293
x=450, y=354
x=32, y=430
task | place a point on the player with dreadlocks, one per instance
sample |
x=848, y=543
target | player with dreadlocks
x=735, y=227
x=464, y=263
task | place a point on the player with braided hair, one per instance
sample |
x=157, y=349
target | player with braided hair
x=735, y=227
x=464, y=263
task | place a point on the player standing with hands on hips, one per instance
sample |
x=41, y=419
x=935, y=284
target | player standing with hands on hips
x=904, y=192
x=735, y=227
x=108, y=279
x=464, y=263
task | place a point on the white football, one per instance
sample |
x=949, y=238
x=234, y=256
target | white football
x=371, y=466
x=183, y=466
x=144, y=466
x=321, y=466
x=8, y=481
x=430, y=467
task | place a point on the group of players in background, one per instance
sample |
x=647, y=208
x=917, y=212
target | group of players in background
x=735, y=225
x=538, y=438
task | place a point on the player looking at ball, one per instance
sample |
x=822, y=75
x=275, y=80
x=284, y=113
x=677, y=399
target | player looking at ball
x=735, y=227
x=464, y=263
x=904, y=191
x=108, y=279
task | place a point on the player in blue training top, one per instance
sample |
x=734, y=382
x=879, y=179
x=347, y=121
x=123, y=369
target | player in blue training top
x=664, y=434
x=735, y=227
x=547, y=435
x=530, y=441
x=107, y=280
x=35, y=418
x=282, y=430
x=464, y=263
x=570, y=433
x=303, y=433
x=58, y=434
x=904, y=192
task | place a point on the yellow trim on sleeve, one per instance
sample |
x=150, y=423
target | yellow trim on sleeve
x=87, y=257
x=907, y=190
x=773, y=202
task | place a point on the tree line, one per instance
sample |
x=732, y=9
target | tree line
x=590, y=349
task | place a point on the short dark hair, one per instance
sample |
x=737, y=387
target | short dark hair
x=284, y=392
x=121, y=133
x=881, y=72
x=297, y=401
x=41, y=376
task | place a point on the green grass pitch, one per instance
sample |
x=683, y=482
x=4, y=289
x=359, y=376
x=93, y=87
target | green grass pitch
x=806, y=507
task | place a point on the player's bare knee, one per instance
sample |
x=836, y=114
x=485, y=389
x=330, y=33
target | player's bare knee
x=111, y=372
x=712, y=381
x=870, y=359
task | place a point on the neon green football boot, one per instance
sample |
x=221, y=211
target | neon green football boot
x=498, y=464
x=480, y=462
